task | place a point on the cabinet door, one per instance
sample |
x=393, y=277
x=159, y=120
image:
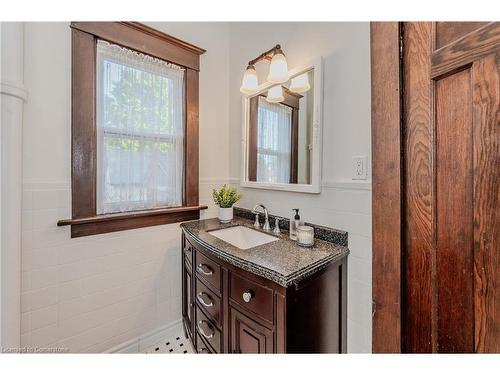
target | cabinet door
x=248, y=336
x=187, y=299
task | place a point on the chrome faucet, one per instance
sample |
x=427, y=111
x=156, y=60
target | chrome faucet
x=266, y=223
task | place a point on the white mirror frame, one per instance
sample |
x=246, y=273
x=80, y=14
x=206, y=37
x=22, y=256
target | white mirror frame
x=316, y=155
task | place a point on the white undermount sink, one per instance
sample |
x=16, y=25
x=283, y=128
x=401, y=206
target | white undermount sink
x=243, y=237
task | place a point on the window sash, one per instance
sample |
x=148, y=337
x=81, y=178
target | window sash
x=274, y=149
x=144, y=182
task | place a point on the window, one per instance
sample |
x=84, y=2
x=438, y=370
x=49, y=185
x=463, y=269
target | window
x=140, y=131
x=274, y=142
x=134, y=128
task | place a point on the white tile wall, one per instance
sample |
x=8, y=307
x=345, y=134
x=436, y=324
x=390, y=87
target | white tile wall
x=92, y=293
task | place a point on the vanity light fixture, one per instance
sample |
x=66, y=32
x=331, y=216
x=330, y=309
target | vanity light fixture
x=300, y=83
x=275, y=94
x=250, y=83
x=278, y=70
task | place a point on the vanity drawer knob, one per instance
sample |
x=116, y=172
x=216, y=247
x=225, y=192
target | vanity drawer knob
x=202, y=300
x=204, y=269
x=202, y=330
x=248, y=295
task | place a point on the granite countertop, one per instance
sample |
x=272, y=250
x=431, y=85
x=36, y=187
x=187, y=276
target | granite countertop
x=283, y=261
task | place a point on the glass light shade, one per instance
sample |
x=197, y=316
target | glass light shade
x=278, y=70
x=250, y=82
x=275, y=94
x=300, y=83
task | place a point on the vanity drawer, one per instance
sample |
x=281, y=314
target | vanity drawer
x=201, y=347
x=208, y=270
x=207, y=330
x=252, y=296
x=209, y=301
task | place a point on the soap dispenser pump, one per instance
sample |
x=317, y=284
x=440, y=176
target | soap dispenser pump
x=294, y=224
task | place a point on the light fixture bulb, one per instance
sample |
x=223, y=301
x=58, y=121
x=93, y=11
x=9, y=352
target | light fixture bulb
x=275, y=94
x=300, y=83
x=250, y=82
x=278, y=70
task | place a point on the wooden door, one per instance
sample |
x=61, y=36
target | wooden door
x=248, y=336
x=451, y=138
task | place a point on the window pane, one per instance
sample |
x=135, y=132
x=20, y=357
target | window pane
x=140, y=123
x=274, y=142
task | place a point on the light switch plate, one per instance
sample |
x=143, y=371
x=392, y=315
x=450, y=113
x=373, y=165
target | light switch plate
x=359, y=167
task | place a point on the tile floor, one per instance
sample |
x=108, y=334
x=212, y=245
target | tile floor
x=175, y=343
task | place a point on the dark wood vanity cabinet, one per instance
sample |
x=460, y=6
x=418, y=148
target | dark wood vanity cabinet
x=187, y=288
x=226, y=309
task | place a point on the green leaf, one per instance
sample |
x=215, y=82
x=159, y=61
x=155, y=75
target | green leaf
x=226, y=196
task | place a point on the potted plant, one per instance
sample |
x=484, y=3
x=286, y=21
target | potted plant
x=225, y=198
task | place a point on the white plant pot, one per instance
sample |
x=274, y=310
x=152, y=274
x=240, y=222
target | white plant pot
x=225, y=214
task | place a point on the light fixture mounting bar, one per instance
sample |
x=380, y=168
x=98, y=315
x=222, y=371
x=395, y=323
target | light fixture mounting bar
x=268, y=55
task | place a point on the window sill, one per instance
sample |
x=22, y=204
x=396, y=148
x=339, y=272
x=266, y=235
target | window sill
x=130, y=220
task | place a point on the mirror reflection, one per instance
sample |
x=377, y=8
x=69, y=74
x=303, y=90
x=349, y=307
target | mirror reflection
x=280, y=127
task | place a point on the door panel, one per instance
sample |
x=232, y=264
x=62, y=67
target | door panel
x=187, y=298
x=454, y=248
x=447, y=32
x=486, y=135
x=248, y=336
x=450, y=276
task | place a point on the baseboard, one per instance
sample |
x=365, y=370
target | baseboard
x=138, y=344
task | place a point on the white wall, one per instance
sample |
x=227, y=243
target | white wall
x=90, y=294
x=343, y=203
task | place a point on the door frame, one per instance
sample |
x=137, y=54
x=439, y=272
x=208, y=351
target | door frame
x=386, y=112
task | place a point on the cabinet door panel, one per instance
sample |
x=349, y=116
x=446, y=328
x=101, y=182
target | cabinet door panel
x=249, y=337
x=187, y=299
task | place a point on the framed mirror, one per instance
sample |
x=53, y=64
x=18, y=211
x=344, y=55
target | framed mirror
x=282, y=127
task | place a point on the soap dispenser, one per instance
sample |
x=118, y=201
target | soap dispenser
x=294, y=224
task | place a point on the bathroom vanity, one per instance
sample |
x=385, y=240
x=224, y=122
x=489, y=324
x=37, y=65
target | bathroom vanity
x=275, y=297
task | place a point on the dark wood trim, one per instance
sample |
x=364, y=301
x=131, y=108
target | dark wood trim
x=129, y=215
x=253, y=119
x=386, y=185
x=191, y=154
x=419, y=263
x=294, y=155
x=85, y=220
x=119, y=224
x=83, y=132
x=460, y=53
x=144, y=39
x=292, y=99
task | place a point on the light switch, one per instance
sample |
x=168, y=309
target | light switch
x=359, y=167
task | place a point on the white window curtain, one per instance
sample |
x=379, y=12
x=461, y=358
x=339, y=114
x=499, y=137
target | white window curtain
x=140, y=131
x=274, y=142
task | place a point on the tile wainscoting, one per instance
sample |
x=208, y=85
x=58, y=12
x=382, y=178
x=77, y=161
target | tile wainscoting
x=94, y=293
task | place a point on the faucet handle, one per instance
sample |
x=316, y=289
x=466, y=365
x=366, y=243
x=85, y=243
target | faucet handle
x=276, y=229
x=256, y=224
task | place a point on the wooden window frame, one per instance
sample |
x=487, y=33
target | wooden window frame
x=136, y=36
x=292, y=101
